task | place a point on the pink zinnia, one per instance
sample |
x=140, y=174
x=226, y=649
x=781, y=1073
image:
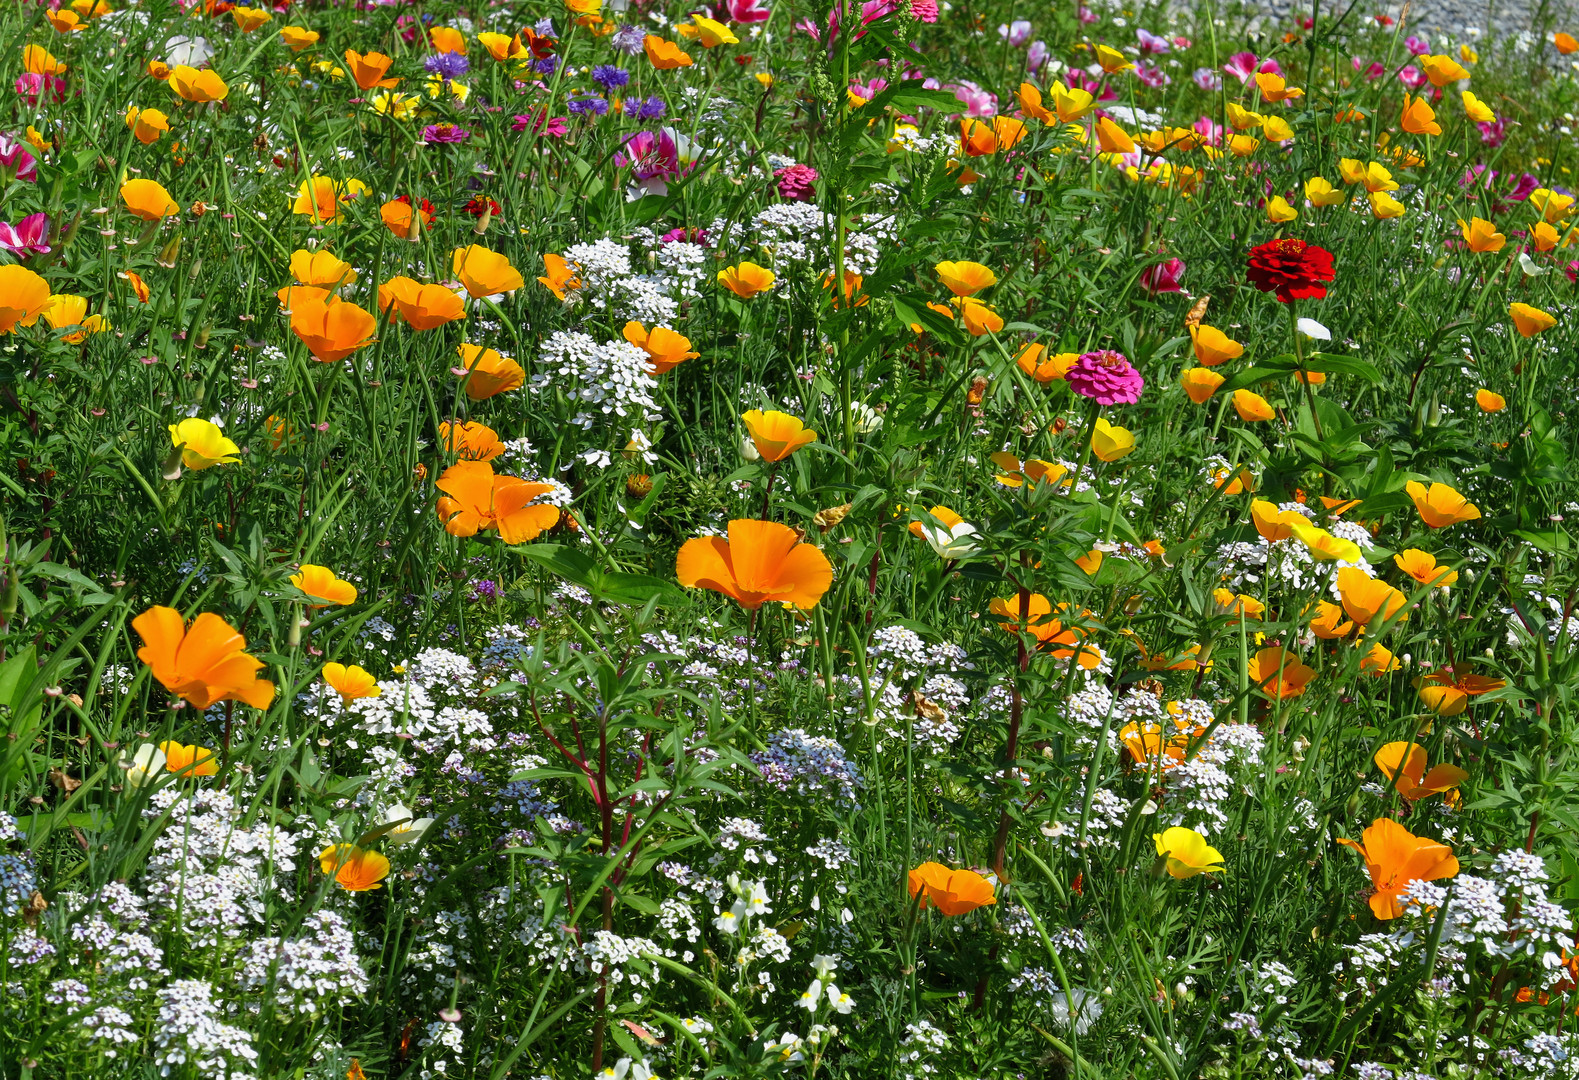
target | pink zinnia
x=795, y=183
x=1106, y=377
x=925, y=10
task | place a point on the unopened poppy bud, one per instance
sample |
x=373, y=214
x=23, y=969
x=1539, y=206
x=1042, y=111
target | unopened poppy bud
x=1352, y=807
x=170, y=467
x=170, y=253
x=1433, y=416
x=482, y=220
x=203, y=334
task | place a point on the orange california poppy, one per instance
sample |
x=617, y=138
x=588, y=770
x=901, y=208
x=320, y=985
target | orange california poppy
x=399, y=217
x=424, y=307
x=777, y=435
x=1200, y=384
x=1366, y=598
x=351, y=683
x=470, y=440
x=1278, y=674
x=1272, y=523
x=1440, y=505
x=558, y=276
x=1404, y=763
x=147, y=125
x=331, y=329
x=760, y=562
x=1530, y=321
x=447, y=39
x=953, y=892
x=291, y=295
x=191, y=760
x=1015, y=473
x=1037, y=364
x=368, y=69
x=320, y=268
x=148, y=199
x=37, y=60
x=665, y=349
x=502, y=47
x=1447, y=692
x=1424, y=568
x=1490, y=401
x=1212, y=346
x=320, y=583
x=475, y=500
x=23, y=297
x=1418, y=117
x=1394, y=857
x=190, y=84
x=1251, y=406
x=484, y=272
x=355, y=869
x=1051, y=635
x=487, y=372
x=746, y=279
x=1330, y=623
x=664, y=55
x=203, y=663
x=299, y=37
x=249, y=19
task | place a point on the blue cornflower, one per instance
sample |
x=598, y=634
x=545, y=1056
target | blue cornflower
x=651, y=109
x=447, y=65
x=610, y=77
x=594, y=106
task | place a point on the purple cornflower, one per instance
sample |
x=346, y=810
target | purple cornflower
x=447, y=65
x=445, y=133
x=544, y=27
x=651, y=109
x=610, y=77
x=628, y=39
x=588, y=106
x=1106, y=377
x=546, y=66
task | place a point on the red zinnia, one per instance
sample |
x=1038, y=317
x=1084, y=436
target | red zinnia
x=1291, y=268
x=479, y=206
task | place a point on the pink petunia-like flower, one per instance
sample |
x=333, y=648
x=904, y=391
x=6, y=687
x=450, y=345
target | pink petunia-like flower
x=746, y=12
x=16, y=161
x=1106, y=377
x=35, y=88
x=27, y=237
x=1163, y=277
x=978, y=102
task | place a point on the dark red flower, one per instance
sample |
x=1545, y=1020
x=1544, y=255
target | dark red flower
x=1292, y=269
x=479, y=206
x=427, y=207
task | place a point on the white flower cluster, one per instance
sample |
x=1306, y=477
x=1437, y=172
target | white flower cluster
x=605, y=278
x=611, y=378
x=189, y=1032
x=316, y=968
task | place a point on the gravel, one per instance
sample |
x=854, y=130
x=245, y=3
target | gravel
x=1462, y=20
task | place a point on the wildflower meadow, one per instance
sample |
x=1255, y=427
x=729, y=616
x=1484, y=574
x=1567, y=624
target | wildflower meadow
x=613, y=539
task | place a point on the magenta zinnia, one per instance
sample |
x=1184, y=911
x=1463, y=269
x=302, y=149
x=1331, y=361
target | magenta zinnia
x=1106, y=377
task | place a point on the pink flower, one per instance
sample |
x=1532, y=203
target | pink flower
x=33, y=87
x=1036, y=56
x=1415, y=46
x=26, y=237
x=1493, y=132
x=747, y=11
x=16, y=161
x=1151, y=75
x=557, y=128
x=1208, y=80
x=1016, y=33
x=978, y=102
x=1106, y=377
x=664, y=153
x=1241, y=65
x=1086, y=15
x=1150, y=43
x=1412, y=77
x=924, y=10
x=795, y=183
x=1163, y=277
x=1210, y=130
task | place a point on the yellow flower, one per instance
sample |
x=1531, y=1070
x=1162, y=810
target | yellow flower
x=1440, y=505
x=1279, y=211
x=965, y=278
x=777, y=435
x=1442, y=70
x=1481, y=235
x=1187, y=852
x=1489, y=401
x=1322, y=193
x=1323, y=546
x=1553, y=206
x=1418, y=117
x=1384, y=206
x=321, y=196
x=746, y=279
x=1477, y=110
x=1112, y=60
x=711, y=33
x=64, y=310
x=1241, y=119
x=399, y=106
x=1277, y=129
x=1212, y=346
x=249, y=19
x=202, y=444
x=320, y=583
x=351, y=683
x=1111, y=443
